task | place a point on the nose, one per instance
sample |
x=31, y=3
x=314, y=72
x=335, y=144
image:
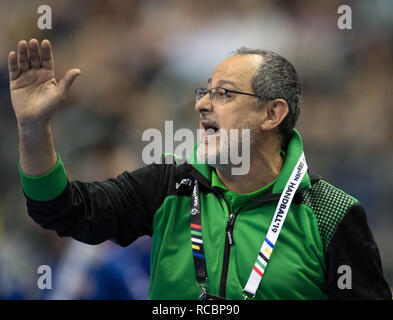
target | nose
x=204, y=104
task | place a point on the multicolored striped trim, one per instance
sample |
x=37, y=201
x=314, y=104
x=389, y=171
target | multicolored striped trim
x=197, y=242
x=263, y=257
x=196, y=236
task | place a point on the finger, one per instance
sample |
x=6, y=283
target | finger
x=34, y=56
x=13, y=65
x=23, y=59
x=46, y=55
x=66, y=82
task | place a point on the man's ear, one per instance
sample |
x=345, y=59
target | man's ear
x=275, y=111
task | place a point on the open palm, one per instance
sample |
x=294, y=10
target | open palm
x=35, y=93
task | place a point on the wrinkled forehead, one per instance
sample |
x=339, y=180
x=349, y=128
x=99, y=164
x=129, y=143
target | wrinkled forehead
x=236, y=71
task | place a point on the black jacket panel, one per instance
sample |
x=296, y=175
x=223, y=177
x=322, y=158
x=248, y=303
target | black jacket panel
x=354, y=269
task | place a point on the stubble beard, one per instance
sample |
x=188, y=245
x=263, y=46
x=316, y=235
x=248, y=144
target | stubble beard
x=217, y=150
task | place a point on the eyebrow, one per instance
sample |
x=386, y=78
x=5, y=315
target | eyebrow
x=224, y=82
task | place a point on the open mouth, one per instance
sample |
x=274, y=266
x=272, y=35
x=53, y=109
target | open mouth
x=210, y=127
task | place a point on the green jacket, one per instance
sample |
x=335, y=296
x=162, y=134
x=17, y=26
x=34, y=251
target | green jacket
x=325, y=228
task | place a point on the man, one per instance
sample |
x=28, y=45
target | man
x=214, y=234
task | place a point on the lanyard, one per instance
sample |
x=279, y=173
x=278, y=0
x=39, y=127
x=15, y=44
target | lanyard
x=275, y=227
x=268, y=244
x=196, y=236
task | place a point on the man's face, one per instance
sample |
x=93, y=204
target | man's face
x=239, y=111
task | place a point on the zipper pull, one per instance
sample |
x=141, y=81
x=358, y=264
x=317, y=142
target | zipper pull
x=230, y=223
x=230, y=237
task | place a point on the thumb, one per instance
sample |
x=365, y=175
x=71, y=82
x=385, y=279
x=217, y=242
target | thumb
x=66, y=82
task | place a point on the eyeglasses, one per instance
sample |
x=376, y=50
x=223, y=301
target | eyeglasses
x=218, y=95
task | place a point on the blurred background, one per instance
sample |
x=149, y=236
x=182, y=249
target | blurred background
x=140, y=62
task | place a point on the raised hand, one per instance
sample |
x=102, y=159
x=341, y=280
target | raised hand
x=35, y=93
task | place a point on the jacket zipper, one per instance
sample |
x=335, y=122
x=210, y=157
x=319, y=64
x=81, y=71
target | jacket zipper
x=229, y=242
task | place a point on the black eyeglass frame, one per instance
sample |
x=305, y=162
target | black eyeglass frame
x=226, y=90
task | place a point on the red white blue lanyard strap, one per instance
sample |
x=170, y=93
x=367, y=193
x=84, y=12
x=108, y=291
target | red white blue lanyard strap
x=275, y=227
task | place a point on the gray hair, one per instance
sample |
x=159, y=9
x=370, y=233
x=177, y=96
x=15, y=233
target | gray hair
x=276, y=78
